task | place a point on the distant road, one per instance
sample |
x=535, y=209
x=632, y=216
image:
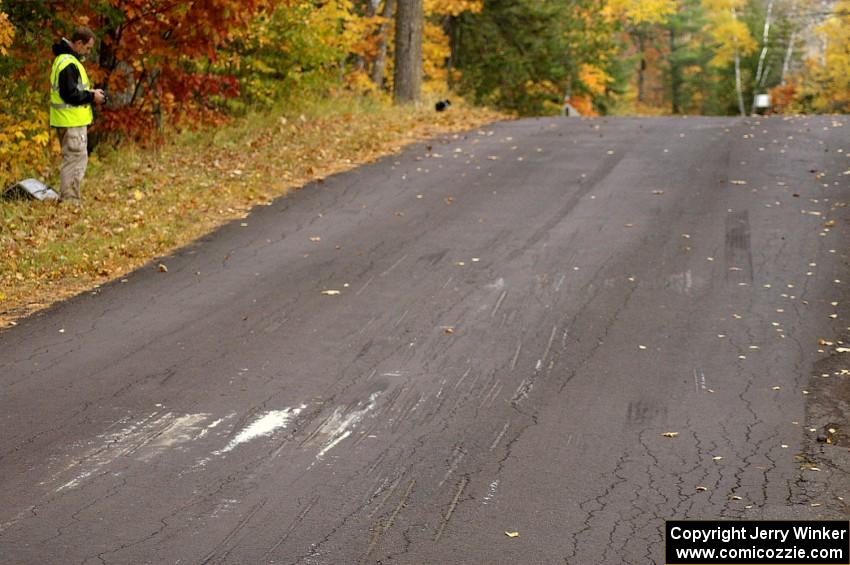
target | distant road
x=567, y=329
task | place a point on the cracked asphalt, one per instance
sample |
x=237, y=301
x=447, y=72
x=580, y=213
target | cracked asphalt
x=570, y=329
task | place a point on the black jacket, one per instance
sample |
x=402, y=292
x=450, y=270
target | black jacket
x=69, y=78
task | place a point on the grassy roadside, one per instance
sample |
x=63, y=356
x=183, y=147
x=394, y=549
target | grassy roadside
x=140, y=204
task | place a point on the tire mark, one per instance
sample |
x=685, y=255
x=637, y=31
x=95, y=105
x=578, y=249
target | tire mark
x=233, y=533
x=381, y=529
x=463, y=482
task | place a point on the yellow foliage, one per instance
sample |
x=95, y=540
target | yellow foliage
x=595, y=79
x=831, y=74
x=7, y=32
x=731, y=36
x=642, y=11
x=24, y=140
x=435, y=51
x=453, y=7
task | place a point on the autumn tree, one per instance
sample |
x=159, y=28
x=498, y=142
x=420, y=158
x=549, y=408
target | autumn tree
x=825, y=82
x=526, y=55
x=642, y=20
x=732, y=39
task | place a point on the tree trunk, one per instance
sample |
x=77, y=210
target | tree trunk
x=641, y=69
x=739, y=86
x=789, y=51
x=380, y=60
x=675, y=76
x=761, y=74
x=407, y=75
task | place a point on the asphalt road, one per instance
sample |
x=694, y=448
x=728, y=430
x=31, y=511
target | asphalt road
x=487, y=333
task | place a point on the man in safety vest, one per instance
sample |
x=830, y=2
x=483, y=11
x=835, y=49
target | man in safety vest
x=71, y=97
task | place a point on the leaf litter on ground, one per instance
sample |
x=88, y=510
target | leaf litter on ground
x=145, y=203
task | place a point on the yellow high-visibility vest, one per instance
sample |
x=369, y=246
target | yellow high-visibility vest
x=62, y=114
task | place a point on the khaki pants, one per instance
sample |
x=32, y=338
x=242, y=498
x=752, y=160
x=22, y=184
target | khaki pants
x=75, y=159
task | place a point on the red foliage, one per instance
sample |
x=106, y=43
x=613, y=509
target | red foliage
x=154, y=56
x=781, y=96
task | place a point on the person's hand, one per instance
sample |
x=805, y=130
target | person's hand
x=99, y=96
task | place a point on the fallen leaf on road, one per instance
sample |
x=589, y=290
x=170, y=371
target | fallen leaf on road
x=641, y=347
x=842, y=349
x=776, y=388
x=824, y=342
x=512, y=534
x=737, y=182
x=330, y=292
x=315, y=238
x=702, y=489
x=658, y=192
x=162, y=268
x=735, y=497
x=717, y=458
x=670, y=434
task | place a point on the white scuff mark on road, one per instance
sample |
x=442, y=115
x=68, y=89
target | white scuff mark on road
x=560, y=282
x=463, y=378
x=396, y=264
x=442, y=386
x=492, y=491
x=498, y=303
x=339, y=426
x=400, y=320
x=498, y=284
x=215, y=424
x=224, y=506
x=145, y=439
x=180, y=430
x=418, y=403
x=523, y=390
x=362, y=288
x=264, y=425
x=699, y=380
x=516, y=355
x=548, y=347
x=500, y=436
x=457, y=456
x=683, y=283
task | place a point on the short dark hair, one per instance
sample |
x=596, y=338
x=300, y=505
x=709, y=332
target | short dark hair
x=82, y=33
